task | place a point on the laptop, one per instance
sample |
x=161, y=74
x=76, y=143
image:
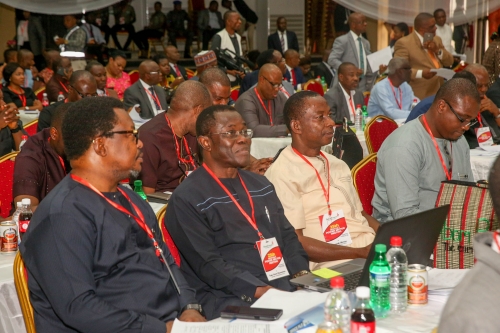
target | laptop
x=419, y=232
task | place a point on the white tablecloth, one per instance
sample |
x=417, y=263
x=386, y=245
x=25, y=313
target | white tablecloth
x=27, y=118
x=481, y=162
x=11, y=317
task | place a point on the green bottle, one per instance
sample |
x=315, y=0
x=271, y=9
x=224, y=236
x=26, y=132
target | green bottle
x=138, y=189
x=380, y=278
x=364, y=112
x=323, y=84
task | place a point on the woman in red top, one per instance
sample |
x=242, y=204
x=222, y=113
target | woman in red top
x=14, y=94
x=118, y=80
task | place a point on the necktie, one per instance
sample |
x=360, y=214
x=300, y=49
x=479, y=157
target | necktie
x=293, y=77
x=177, y=71
x=155, y=100
x=283, y=43
x=361, y=56
x=433, y=58
x=448, y=156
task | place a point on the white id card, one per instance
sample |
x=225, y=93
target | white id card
x=335, y=229
x=272, y=259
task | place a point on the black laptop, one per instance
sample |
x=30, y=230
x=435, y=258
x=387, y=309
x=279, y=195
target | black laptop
x=419, y=232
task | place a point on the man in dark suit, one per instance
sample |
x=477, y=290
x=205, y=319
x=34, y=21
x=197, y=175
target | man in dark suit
x=282, y=39
x=146, y=92
x=493, y=93
x=344, y=96
x=31, y=28
x=173, y=57
x=324, y=69
x=293, y=73
x=210, y=22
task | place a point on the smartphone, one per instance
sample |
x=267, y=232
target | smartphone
x=245, y=312
x=428, y=37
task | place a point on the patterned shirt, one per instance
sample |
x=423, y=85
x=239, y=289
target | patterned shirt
x=120, y=84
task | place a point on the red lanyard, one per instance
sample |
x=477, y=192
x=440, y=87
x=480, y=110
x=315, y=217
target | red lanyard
x=445, y=169
x=283, y=90
x=479, y=118
x=400, y=102
x=265, y=109
x=21, y=96
x=352, y=108
x=326, y=192
x=63, y=86
x=189, y=159
x=250, y=220
x=154, y=97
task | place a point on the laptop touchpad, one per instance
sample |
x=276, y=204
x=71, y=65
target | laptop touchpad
x=347, y=268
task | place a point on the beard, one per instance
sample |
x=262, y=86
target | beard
x=134, y=173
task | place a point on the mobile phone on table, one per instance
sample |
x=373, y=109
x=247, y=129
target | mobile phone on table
x=246, y=312
x=428, y=37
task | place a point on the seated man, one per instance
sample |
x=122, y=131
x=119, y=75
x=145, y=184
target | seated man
x=294, y=176
x=107, y=273
x=411, y=167
x=262, y=106
x=219, y=240
x=42, y=163
x=393, y=97
x=155, y=29
x=473, y=304
x=203, y=61
x=218, y=85
x=344, y=96
x=99, y=73
x=58, y=83
x=293, y=73
x=170, y=150
x=146, y=92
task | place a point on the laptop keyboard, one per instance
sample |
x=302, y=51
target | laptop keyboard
x=350, y=281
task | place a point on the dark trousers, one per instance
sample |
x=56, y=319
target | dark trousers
x=207, y=36
x=107, y=32
x=123, y=27
x=173, y=34
x=141, y=37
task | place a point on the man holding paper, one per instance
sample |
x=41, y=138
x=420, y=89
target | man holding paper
x=425, y=51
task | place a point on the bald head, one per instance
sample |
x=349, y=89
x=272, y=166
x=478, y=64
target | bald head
x=149, y=72
x=270, y=80
x=476, y=68
x=218, y=85
x=189, y=95
x=357, y=23
x=424, y=23
x=269, y=69
x=482, y=79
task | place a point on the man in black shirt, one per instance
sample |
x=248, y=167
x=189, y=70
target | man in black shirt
x=94, y=253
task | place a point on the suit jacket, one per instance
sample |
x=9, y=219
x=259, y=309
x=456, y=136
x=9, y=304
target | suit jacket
x=53, y=87
x=299, y=77
x=181, y=69
x=204, y=19
x=410, y=47
x=322, y=71
x=274, y=42
x=36, y=36
x=494, y=93
x=135, y=94
x=344, y=50
x=338, y=105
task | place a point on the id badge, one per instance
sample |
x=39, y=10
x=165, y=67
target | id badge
x=334, y=227
x=272, y=259
x=484, y=138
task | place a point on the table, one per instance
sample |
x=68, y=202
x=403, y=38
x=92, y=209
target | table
x=11, y=317
x=481, y=162
x=27, y=117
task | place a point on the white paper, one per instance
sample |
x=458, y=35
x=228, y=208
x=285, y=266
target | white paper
x=495, y=148
x=445, y=278
x=444, y=73
x=220, y=327
x=378, y=58
x=136, y=118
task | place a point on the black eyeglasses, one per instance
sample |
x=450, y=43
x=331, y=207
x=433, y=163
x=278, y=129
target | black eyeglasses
x=470, y=124
x=234, y=134
x=134, y=132
x=275, y=86
x=82, y=95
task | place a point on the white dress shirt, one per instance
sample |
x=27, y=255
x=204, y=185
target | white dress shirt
x=290, y=71
x=446, y=36
x=151, y=101
x=349, y=99
x=356, y=42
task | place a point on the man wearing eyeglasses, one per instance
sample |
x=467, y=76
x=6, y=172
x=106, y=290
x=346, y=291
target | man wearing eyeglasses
x=262, y=106
x=417, y=157
x=228, y=223
x=146, y=92
x=82, y=84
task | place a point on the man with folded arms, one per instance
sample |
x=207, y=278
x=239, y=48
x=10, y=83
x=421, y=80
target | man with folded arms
x=417, y=157
x=228, y=224
x=301, y=175
x=42, y=163
x=262, y=106
x=110, y=270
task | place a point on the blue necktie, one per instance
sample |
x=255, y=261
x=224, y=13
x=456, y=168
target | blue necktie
x=153, y=94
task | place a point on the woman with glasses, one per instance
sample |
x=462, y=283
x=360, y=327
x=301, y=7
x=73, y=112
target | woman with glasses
x=14, y=94
x=118, y=79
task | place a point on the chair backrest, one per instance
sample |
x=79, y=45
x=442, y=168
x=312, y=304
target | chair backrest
x=39, y=94
x=134, y=76
x=235, y=92
x=21, y=282
x=31, y=127
x=166, y=236
x=377, y=130
x=190, y=73
x=314, y=85
x=6, y=183
x=363, y=177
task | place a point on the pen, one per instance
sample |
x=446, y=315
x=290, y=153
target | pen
x=267, y=213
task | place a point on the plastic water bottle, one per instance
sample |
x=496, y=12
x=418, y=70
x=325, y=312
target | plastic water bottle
x=364, y=113
x=45, y=100
x=414, y=103
x=24, y=138
x=358, y=120
x=323, y=84
x=362, y=318
x=15, y=216
x=398, y=294
x=138, y=189
x=60, y=97
x=380, y=276
x=338, y=306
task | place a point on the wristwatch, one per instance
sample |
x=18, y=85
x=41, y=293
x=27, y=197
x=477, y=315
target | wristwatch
x=194, y=306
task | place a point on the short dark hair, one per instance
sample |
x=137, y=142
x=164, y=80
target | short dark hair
x=212, y=2
x=114, y=53
x=7, y=54
x=9, y=69
x=228, y=13
x=158, y=3
x=456, y=88
x=465, y=75
x=305, y=61
x=295, y=106
x=85, y=120
x=438, y=11
x=81, y=74
x=403, y=27
x=206, y=119
x=91, y=64
x=420, y=19
x=214, y=75
x=59, y=113
x=265, y=57
x=343, y=66
x=159, y=57
x=494, y=185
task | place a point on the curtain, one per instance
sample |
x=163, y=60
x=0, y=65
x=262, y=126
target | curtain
x=395, y=11
x=59, y=7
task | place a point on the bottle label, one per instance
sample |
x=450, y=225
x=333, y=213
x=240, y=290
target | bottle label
x=362, y=327
x=23, y=226
x=380, y=279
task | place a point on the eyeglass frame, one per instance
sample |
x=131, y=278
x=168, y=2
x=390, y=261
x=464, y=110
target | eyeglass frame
x=82, y=95
x=275, y=86
x=470, y=124
x=134, y=132
x=249, y=134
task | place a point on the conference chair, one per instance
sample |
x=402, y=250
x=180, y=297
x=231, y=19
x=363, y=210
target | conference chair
x=166, y=236
x=31, y=127
x=363, y=177
x=190, y=73
x=377, y=130
x=6, y=183
x=39, y=94
x=313, y=85
x=21, y=283
x=235, y=92
x=154, y=42
x=134, y=76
